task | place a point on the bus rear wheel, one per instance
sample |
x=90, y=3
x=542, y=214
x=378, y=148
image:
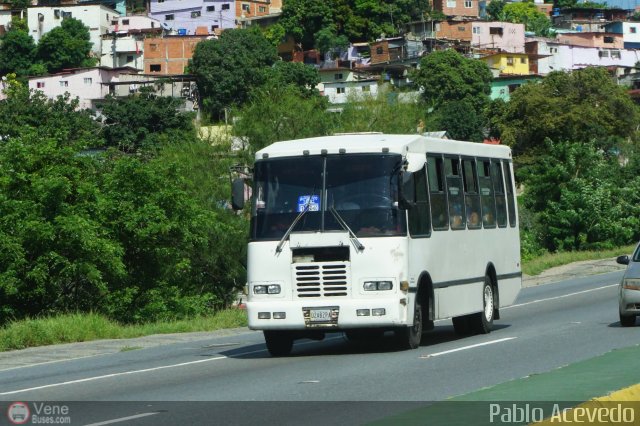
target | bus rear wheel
x=279, y=343
x=482, y=322
x=410, y=337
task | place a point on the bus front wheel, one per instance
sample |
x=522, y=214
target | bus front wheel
x=410, y=337
x=279, y=343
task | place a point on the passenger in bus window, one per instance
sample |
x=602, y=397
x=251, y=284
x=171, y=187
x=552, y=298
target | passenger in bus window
x=456, y=217
x=474, y=220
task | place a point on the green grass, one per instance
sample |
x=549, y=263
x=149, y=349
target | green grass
x=541, y=263
x=85, y=327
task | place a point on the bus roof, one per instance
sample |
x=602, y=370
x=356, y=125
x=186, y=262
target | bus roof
x=377, y=142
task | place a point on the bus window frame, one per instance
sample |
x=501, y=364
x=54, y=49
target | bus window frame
x=472, y=195
x=427, y=200
x=493, y=194
x=503, y=192
x=459, y=176
x=511, y=202
x=438, y=156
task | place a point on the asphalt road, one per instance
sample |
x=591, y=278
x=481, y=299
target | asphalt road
x=550, y=326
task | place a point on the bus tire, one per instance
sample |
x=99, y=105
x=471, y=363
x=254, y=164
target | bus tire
x=627, y=320
x=410, y=337
x=482, y=322
x=279, y=343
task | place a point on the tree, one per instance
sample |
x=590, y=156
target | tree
x=66, y=46
x=528, y=14
x=17, y=52
x=461, y=121
x=277, y=113
x=302, y=76
x=302, y=19
x=136, y=122
x=495, y=10
x=228, y=68
x=327, y=40
x=581, y=106
x=446, y=76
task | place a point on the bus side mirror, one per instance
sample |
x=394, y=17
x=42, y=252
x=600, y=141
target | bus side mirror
x=406, y=190
x=237, y=194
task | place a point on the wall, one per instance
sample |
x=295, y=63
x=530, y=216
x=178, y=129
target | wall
x=171, y=53
x=592, y=40
x=511, y=39
x=182, y=11
x=454, y=30
x=76, y=85
x=457, y=7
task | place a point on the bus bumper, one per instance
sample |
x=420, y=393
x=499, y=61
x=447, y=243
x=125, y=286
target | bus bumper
x=296, y=315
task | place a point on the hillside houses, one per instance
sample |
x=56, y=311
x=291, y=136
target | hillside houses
x=159, y=41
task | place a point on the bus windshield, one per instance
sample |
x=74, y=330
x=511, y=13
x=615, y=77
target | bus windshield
x=361, y=188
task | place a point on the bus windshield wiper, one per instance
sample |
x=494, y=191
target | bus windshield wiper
x=304, y=210
x=344, y=225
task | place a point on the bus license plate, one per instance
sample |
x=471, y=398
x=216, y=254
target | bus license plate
x=320, y=315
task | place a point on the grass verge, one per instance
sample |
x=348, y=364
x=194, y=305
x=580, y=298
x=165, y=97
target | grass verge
x=84, y=327
x=541, y=263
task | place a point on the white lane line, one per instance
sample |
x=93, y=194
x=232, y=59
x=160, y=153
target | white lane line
x=122, y=419
x=560, y=297
x=106, y=376
x=468, y=347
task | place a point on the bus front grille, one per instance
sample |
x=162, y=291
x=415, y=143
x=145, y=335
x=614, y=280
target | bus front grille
x=321, y=279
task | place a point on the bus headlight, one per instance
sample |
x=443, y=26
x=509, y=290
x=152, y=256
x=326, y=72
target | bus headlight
x=266, y=289
x=377, y=285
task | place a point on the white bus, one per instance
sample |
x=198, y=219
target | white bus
x=366, y=233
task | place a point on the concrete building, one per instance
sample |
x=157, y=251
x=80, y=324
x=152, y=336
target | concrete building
x=169, y=55
x=630, y=32
x=186, y=16
x=593, y=39
x=458, y=8
x=97, y=18
x=340, y=84
x=501, y=36
x=123, y=46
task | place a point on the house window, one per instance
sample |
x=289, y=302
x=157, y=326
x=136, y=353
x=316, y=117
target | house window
x=366, y=88
x=379, y=50
x=168, y=17
x=246, y=7
x=153, y=47
x=64, y=83
x=66, y=14
x=125, y=22
x=509, y=60
x=40, y=84
x=495, y=31
x=225, y=6
x=211, y=8
x=461, y=28
x=467, y=4
x=160, y=1
x=476, y=30
x=56, y=13
x=88, y=81
x=451, y=3
x=337, y=76
x=340, y=90
x=553, y=50
x=155, y=67
x=262, y=9
x=213, y=27
x=114, y=22
x=615, y=54
x=632, y=30
x=603, y=53
x=129, y=58
x=196, y=14
x=523, y=60
x=608, y=39
x=513, y=87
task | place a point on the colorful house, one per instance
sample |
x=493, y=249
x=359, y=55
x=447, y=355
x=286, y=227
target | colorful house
x=630, y=32
x=459, y=8
x=169, y=55
x=508, y=63
x=185, y=16
x=503, y=86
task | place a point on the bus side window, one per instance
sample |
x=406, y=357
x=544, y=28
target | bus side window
x=510, y=193
x=498, y=189
x=455, y=192
x=419, y=219
x=437, y=194
x=471, y=195
x=486, y=194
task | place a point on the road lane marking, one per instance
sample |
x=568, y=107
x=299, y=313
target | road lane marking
x=491, y=342
x=122, y=419
x=106, y=376
x=561, y=297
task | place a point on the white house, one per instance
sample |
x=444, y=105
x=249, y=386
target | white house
x=87, y=84
x=123, y=45
x=5, y=17
x=339, y=84
x=96, y=17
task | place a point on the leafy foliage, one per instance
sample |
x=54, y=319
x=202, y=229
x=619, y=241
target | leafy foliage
x=304, y=77
x=461, y=121
x=228, y=68
x=136, y=122
x=528, y=14
x=447, y=76
x=495, y=10
x=580, y=106
x=17, y=52
x=66, y=46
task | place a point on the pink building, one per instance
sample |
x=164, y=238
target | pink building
x=599, y=39
x=502, y=36
x=458, y=8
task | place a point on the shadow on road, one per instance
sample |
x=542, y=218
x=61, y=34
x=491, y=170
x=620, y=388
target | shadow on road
x=338, y=344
